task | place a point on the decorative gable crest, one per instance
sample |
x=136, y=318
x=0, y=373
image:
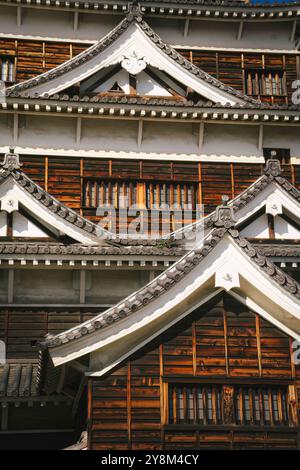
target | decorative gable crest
x=133, y=64
x=224, y=215
x=273, y=168
x=11, y=161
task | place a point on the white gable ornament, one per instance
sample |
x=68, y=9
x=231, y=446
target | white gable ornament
x=9, y=203
x=227, y=277
x=274, y=206
x=134, y=64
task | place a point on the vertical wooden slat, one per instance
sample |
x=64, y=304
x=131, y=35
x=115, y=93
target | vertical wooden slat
x=258, y=342
x=129, y=406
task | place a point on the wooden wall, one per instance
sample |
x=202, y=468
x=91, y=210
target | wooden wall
x=20, y=327
x=64, y=177
x=222, y=342
x=35, y=57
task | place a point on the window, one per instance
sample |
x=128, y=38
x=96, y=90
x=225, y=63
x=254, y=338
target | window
x=203, y=404
x=179, y=195
x=283, y=155
x=123, y=194
x=261, y=406
x=265, y=82
x=118, y=194
x=7, y=69
x=194, y=404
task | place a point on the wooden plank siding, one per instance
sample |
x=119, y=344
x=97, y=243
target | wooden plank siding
x=20, y=328
x=33, y=57
x=221, y=343
x=65, y=178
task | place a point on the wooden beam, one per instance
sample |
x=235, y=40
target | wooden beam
x=10, y=287
x=140, y=133
x=78, y=130
x=15, y=127
x=260, y=144
x=201, y=136
x=4, y=416
x=186, y=28
x=19, y=16
x=76, y=21
x=82, y=283
x=240, y=31
x=293, y=31
x=78, y=395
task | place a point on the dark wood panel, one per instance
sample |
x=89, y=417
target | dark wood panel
x=220, y=342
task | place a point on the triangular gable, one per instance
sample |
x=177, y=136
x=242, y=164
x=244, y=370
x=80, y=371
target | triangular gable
x=222, y=261
x=136, y=47
x=20, y=195
x=270, y=195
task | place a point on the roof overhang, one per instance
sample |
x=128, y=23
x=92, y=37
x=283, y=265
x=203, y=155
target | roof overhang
x=228, y=266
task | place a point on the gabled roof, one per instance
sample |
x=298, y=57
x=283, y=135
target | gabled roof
x=254, y=197
x=22, y=190
x=223, y=260
x=131, y=36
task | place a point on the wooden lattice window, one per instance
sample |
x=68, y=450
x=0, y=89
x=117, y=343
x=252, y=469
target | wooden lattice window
x=262, y=406
x=265, y=83
x=237, y=405
x=119, y=194
x=194, y=404
x=174, y=195
x=7, y=69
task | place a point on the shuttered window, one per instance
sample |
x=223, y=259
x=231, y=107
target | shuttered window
x=176, y=195
x=194, y=404
x=262, y=406
x=203, y=405
x=7, y=70
x=265, y=83
x=101, y=193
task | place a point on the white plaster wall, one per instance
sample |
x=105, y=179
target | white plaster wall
x=52, y=132
x=285, y=230
x=92, y=27
x=170, y=138
x=102, y=134
x=221, y=34
x=3, y=224
x=6, y=137
x=257, y=229
x=45, y=286
x=109, y=287
x=227, y=139
x=147, y=86
x=283, y=137
x=56, y=24
x=23, y=227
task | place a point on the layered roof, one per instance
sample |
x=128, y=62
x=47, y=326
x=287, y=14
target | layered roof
x=222, y=260
x=20, y=189
x=131, y=41
x=269, y=188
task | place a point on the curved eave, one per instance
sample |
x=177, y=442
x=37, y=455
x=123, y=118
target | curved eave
x=160, y=55
x=253, y=279
x=136, y=108
x=232, y=10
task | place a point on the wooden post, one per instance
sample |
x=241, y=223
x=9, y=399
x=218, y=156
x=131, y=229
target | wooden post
x=10, y=289
x=82, y=284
